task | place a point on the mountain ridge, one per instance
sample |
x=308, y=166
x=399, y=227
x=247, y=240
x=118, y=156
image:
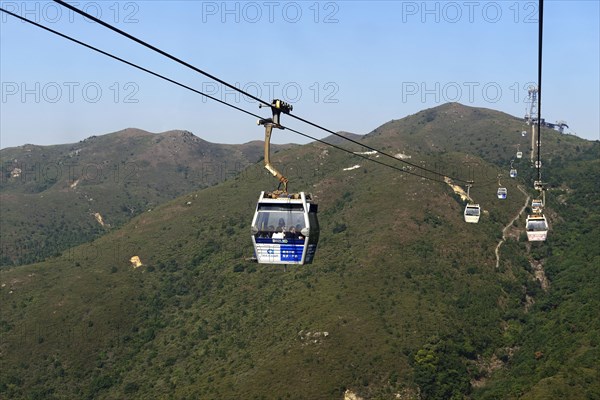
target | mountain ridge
x=115, y=176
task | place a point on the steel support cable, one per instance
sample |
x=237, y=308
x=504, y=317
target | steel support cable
x=206, y=95
x=156, y=49
x=124, y=61
x=366, y=158
x=539, y=121
x=374, y=149
x=178, y=60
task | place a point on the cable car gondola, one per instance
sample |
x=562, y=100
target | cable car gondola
x=536, y=227
x=536, y=224
x=502, y=192
x=472, y=210
x=513, y=170
x=285, y=228
x=513, y=173
x=472, y=213
x=537, y=204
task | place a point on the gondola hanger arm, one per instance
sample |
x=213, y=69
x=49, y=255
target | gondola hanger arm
x=277, y=107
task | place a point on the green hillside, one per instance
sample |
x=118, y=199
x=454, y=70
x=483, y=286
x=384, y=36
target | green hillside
x=558, y=339
x=403, y=300
x=55, y=197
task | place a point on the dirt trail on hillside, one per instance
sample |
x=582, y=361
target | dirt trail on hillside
x=507, y=227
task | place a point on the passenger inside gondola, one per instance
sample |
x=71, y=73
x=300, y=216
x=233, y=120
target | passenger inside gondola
x=291, y=234
x=277, y=224
x=280, y=225
x=267, y=233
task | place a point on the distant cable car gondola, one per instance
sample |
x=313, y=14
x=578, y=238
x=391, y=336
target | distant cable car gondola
x=536, y=227
x=472, y=213
x=502, y=193
x=513, y=170
x=285, y=229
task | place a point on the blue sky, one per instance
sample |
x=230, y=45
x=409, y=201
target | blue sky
x=347, y=65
